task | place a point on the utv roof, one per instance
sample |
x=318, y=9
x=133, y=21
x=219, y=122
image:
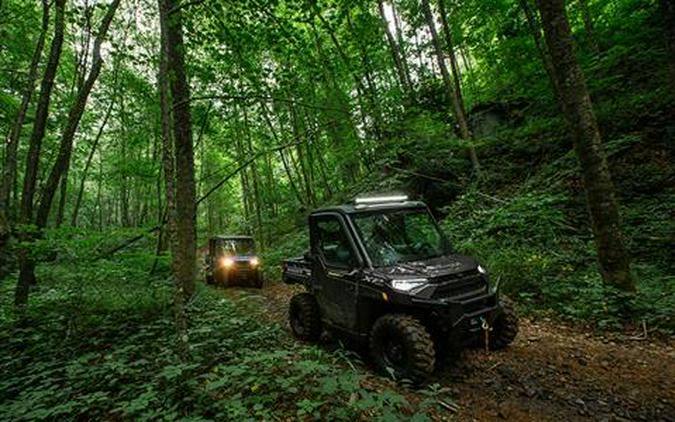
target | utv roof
x=375, y=206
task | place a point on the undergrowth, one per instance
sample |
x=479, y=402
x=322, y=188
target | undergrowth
x=537, y=241
x=97, y=342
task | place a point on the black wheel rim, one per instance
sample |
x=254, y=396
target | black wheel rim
x=393, y=353
x=296, y=322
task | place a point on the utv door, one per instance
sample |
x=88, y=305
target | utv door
x=334, y=277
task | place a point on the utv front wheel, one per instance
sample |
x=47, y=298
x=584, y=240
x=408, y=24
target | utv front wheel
x=304, y=317
x=505, y=326
x=401, y=344
x=257, y=280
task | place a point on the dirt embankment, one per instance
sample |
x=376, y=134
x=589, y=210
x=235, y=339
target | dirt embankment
x=551, y=372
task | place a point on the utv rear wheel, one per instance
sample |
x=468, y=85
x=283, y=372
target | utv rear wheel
x=401, y=344
x=304, y=317
x=505, y=327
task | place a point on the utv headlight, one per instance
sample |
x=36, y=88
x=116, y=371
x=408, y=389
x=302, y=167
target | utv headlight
x=408, y=284
x=492, y=285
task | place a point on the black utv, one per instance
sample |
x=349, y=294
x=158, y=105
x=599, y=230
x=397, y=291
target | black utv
x=232, y=261
x=381, y=272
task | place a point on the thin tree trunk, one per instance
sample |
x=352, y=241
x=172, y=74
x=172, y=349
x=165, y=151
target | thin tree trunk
x=310, y=135
x=186, y=234
x=266, y=116
x=394, y=48
x=90, y=157
x=588, y=26
x=372, y=95
x=544, y=55
x=456, y=75
x=26, y=262
x=457, y=106
x=401, y=44
x=296, y=132
x=241, y=158
x=256, y=181
x=99, y=196
x=372, y=90
x=74, y=115
x=271, y=192
x=83, y=56
x=576, y=104
x=469, y=68
x=667, y=10
x=420, y=56
x=62, y=198
x=322, y=170
x=11, y=147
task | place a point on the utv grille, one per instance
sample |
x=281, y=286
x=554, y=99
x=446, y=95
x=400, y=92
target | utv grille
x=460, y=287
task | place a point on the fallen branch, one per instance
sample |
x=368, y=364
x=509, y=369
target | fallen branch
x=644, y=335
x=449, y=406
x=264, y=98
x=130, y=242
x=243, y=166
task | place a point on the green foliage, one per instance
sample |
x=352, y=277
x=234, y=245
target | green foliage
x=534, y=248
x=99, y=343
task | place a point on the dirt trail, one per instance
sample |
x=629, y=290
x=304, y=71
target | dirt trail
x=551, y=372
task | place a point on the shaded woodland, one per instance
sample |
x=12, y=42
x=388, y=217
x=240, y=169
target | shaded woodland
x=540, y=134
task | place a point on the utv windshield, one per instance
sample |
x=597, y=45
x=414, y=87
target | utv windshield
x=235, y=247
x=398, y=236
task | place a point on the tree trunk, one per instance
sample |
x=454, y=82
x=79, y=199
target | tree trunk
x=588, y=26
x=469, y=69
x=401, y=44
x=273, y=131
x=578, y=110
x=60, y=167
x=544, y=55
x=372, y=89
x=457, y=106
x=420, y=56
x=99, y=197
x=26, y=263
x=395, y=51
x=372, y=95
x=185, y=214
x=456, y=75
x=255, y=177
x=322, y=171
x=301, y=158
x=11, y=147
x=668, y=13
x=62, y=198
x=90, y=157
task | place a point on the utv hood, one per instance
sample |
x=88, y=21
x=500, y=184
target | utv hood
x=430, y=268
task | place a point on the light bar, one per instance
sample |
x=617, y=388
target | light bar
x=380, y=199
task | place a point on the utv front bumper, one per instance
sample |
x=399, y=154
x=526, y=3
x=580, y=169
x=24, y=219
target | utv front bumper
x=465, y=315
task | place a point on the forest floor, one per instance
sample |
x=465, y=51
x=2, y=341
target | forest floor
x=552, y=371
